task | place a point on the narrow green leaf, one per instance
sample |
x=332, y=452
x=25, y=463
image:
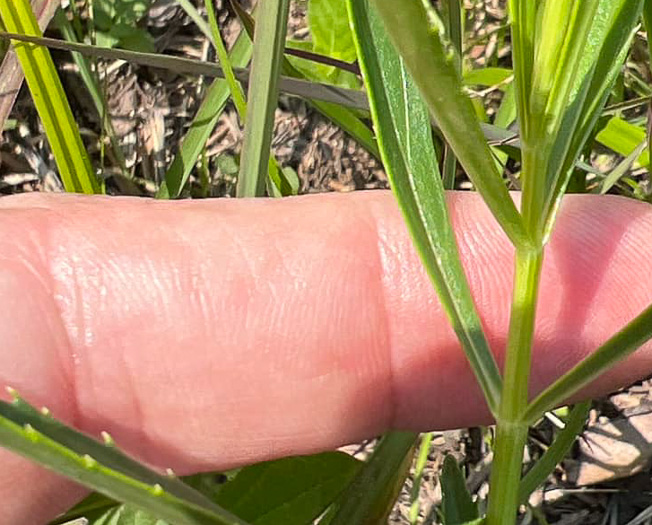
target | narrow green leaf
x=623, y=138
x=618, y=347
x=371, y=496
x=269, y=42
x=647, y=21
x=50, y=100
x=92, y=85
x=289, y=491
x=523, y=15
x=623, y=167
x=339, y=114
x=202, y=126
x=276, y=175
x=453, y=18
x=419, y=468
x=457, y=505
x=417, y=38
x=560, y=54
x=102, y=467
x=487, y=76
x=11, y=75
x=607, y=47
x=452, y=14
x=237, y=93
x=329, y=28
x=403, y=128
x=557, y=451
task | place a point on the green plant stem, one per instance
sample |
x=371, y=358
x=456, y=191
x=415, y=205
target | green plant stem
x=511, y=431
x=534, y=159
x=269, y=44
x=506, y=472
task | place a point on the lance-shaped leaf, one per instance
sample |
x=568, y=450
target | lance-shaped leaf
x=523, y=16
x=416, y=33
x=101, y=466
x=601, y=61
x=404, y=135
x=457, y=505
x=556, y=452
x=617, y=348
x=269, y=43
x=371, y=496
x=11, y=75
x=202, y=126
x=50, y=100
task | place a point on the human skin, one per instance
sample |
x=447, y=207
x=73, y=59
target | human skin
x=208, y=334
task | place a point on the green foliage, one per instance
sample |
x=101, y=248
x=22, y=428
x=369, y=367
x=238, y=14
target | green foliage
x=487, y=76
x=457, y=506
x=370, y=497
x=331, y=37
x=101, y=466
x=289, y=491
x=116, y=24
x=403, y=127
x=50, y=101
x=329, y=27
x=623, y=138
x=269, y=44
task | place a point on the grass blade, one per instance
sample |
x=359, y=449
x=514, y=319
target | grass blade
x=404, y=135
x=608, y=44
x=269, y=43
x=523, y=14
x=282, y=186
x=196, y=17
x=237, y=93
x=11, y=75
x=416, y=35
x=339, y=114
x=350, y=98
x=202, y=126
x=37, y=436
x=93, y=88
x=50, y=101
x=452, y=14
x=557, y=451
x=623, y=167
x=419, y=468
x=617, y=348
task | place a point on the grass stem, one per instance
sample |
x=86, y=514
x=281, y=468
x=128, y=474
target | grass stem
x=511, y=431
